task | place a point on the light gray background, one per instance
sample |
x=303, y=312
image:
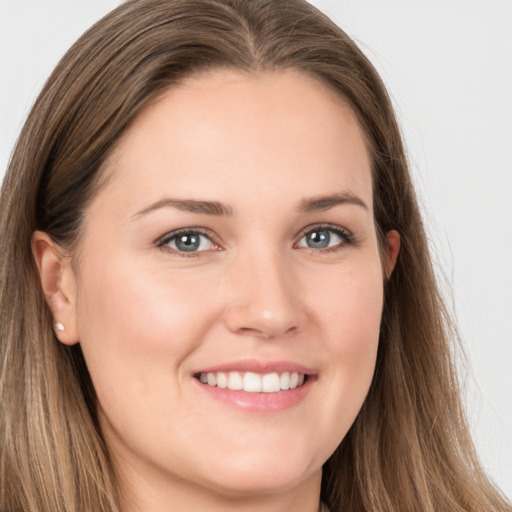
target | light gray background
x=448, y=66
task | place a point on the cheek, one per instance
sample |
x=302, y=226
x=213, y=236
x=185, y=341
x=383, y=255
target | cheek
x=133, y=324
x=350, y=311
x=358, y=326
x=115, y=298
x=351, y=314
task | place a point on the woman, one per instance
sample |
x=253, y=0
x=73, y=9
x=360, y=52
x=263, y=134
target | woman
x=216, y=290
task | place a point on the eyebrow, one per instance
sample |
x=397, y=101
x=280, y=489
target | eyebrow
x=320, y=203
x=189, y=205
x=317, y=203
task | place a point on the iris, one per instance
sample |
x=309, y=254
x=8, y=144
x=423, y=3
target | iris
x=188, y=242
x=318, y=239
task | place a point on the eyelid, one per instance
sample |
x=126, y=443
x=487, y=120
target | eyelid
x=161, y=241
x=165, y=239
x=346, y=237
x=344, y=232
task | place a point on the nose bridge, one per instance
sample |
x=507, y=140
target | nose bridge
x=263, y=299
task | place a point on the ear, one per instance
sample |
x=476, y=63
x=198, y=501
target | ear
x=59, y=285
x=392, y=250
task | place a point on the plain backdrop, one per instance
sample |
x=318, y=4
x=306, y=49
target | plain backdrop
x=448, y=67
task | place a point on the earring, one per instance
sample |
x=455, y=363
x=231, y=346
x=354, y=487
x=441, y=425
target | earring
x=59, y=326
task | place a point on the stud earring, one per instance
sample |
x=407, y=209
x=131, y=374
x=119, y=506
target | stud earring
x=59, y=326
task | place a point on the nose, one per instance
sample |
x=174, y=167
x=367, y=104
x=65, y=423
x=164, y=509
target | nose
x=265, y=300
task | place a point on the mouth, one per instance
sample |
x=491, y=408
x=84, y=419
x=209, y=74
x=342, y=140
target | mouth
x=252, y=382
x=254, y=386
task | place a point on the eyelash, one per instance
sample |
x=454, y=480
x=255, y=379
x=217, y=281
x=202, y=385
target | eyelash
x=347, y=237
x=169, y=237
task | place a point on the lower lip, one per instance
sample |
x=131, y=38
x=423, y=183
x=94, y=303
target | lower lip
x=259, y=402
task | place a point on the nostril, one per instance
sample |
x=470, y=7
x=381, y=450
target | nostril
x=248, y=331
x=266, y=334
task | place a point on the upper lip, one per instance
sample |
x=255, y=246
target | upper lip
x=257, y=366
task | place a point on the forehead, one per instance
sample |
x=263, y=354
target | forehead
x=225, y=132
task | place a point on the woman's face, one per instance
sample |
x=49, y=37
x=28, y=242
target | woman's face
x=233, y=243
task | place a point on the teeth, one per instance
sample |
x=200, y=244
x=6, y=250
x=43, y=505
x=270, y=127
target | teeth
x=211, y=379
x=222, y=380
x=270, y=383
x=253, y=382
x=235, y=381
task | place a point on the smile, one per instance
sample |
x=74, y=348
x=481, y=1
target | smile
x=257, y=386
x=252, y=382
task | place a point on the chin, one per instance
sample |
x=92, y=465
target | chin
x=261, y=482
x=262, y=474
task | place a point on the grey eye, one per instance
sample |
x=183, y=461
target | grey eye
x=318, y=239
x=189, y=242
x=321, y=238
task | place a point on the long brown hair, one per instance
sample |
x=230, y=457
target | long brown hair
x=409, y=448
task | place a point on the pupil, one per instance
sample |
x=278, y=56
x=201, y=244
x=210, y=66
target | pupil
x=319, y=239
x=187, y=243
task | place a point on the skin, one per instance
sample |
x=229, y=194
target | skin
x=147, y=317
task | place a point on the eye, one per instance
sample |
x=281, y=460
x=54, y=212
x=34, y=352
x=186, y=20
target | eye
x=325, y=238
x=187, y=241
